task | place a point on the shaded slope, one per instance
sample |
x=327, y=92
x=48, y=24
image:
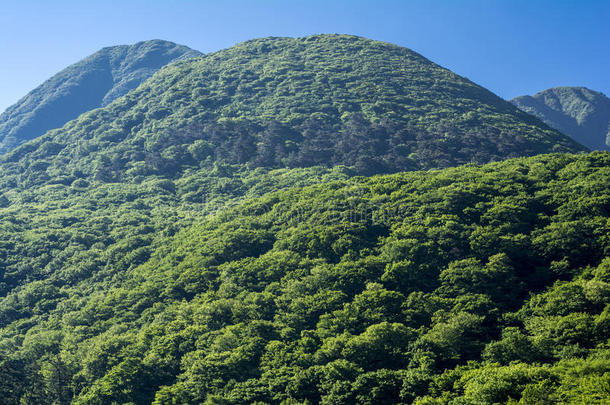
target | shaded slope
x=320, y=100
x=578, y=112
x=91, y=83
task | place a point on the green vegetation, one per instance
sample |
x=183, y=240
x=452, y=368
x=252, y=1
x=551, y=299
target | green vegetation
x=282, y=102
x=480, y=284
x=208, y=238
x=91, y=83
x=578, y=112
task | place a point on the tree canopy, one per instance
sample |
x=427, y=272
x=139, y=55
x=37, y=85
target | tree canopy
x=478, y=284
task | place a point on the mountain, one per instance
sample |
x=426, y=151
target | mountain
x=91, y=83
x=578, y=112
x=209, y=238
x=284, y=102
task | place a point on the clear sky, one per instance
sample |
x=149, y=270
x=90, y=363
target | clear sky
x=512, y=47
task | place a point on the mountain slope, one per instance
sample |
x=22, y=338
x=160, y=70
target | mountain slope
x=128, y=276
x=578, y=112
x=91, y=83
x=476, y=284
x=321, y=100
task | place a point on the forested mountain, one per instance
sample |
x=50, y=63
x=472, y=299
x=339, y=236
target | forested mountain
x=208, y=238
x=578, y=112
x=91, y=83
x=283, y=102
x=477, y=285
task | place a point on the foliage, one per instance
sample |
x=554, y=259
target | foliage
x=206, y=239
x=478, y=284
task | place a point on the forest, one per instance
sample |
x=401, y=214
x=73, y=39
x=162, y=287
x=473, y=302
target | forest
x=477, y=284
x=318, y=220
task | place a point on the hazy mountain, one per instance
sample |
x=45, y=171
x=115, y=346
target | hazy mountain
x=91, y=83
x=581, y=113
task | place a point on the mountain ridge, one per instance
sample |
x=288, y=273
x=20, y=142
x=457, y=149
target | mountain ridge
x=578, y=112
x=295, y=102
x=92, y=82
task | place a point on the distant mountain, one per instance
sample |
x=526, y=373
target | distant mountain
x=581, y=113
x=91, y=83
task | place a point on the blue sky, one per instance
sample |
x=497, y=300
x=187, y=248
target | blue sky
x=512, y=47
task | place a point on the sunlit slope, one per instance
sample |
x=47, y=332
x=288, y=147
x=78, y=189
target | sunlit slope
x=320, y=100
x=478, y=284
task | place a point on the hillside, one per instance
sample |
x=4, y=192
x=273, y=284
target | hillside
x=208, y=238
x=283, y=102
x=478, y=284
x=578, y=112
x=91, y=83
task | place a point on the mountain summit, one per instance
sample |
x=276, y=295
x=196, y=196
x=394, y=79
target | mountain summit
x=91, y=83
x=296, y=102
x=578, y=112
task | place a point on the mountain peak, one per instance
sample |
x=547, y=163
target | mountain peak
x=90, y=83
x=578, y=112
x=322, y=100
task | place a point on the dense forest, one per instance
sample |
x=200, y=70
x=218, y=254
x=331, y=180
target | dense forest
x=283, y=222
x=480, y=284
